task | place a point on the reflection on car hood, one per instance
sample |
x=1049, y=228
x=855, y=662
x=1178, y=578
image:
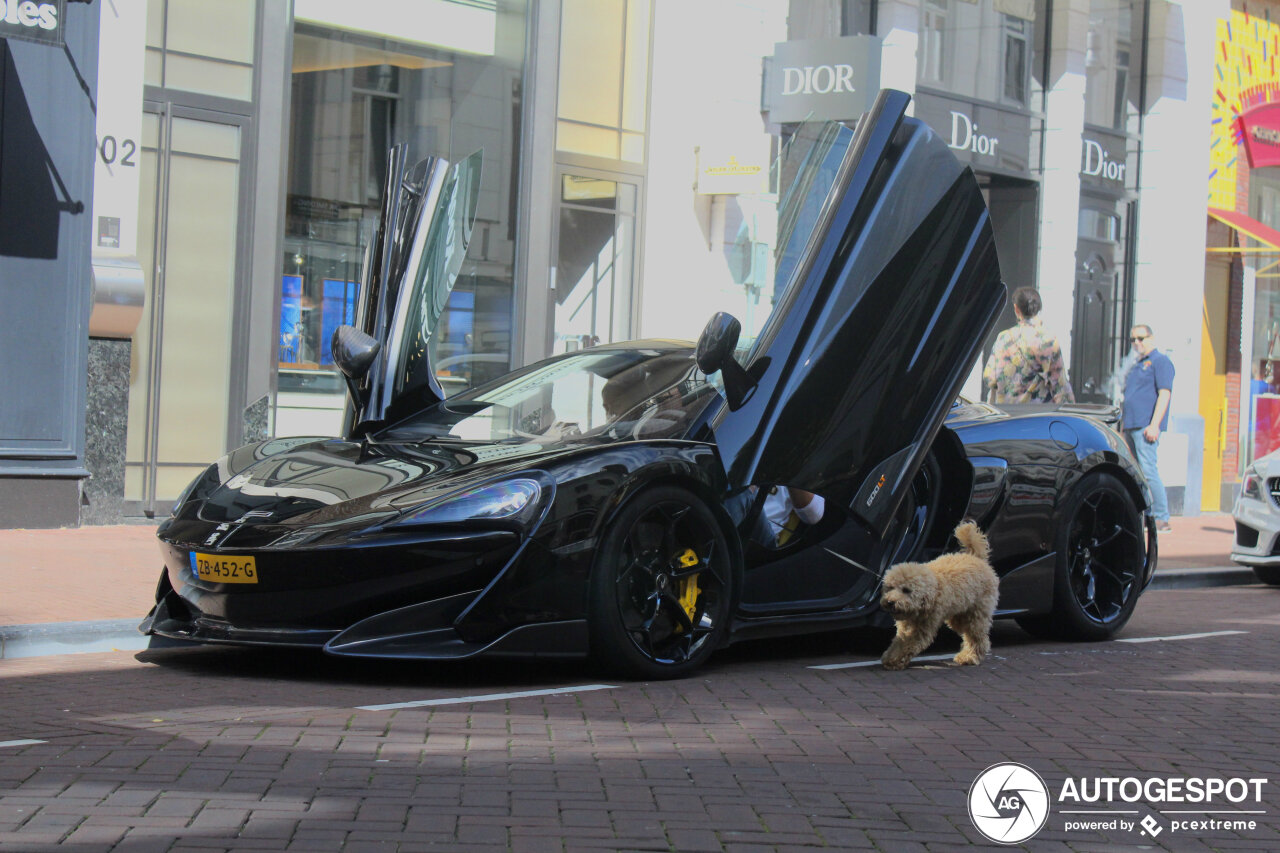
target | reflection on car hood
x=335, y=481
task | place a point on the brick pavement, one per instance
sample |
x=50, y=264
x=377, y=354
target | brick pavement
x=73, y=574
x=96, y=573
x=240, y=749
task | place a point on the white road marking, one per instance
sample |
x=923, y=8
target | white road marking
x=24, y=742
x=1178, y=637
x=876, y=662
x=1124, y=640
x=487, y=697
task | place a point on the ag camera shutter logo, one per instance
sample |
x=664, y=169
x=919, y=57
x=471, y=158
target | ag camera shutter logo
x=1008, y=803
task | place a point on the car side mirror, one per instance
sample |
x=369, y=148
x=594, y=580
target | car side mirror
x=715, y=352
x=353, y=351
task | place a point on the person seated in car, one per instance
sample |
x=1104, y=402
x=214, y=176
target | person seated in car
x=646, y=400
x=785, y=509
x=784, y=512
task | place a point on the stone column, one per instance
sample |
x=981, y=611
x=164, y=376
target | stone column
x=1171, y=236
x=1060, y=186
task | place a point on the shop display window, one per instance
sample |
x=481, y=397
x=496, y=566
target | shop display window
x=355, y=94
x=1263, y=433
x=1264, y=373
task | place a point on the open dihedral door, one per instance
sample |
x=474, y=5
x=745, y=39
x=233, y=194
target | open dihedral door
x=410, y=268
x=881, y=320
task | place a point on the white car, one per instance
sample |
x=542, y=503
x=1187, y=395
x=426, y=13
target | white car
x=1257, y=515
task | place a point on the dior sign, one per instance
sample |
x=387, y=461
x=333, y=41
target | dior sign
x=1098, y=163
x=990, y=139
x=821, y=79
x=818, y=80
x=965, y=136
x=1104, y=161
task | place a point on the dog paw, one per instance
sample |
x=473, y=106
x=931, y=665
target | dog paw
x=893, y=663
x=966, y=660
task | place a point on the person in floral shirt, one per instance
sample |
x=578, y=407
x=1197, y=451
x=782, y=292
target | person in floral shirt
x=1026, y=361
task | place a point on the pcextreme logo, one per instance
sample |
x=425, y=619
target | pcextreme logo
x=1010, y=802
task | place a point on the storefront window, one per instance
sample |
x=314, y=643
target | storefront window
x=604, y=78
x=858, y=18
x=1017, y=37
x=354, y=95
x=1263, y=435
x=195, y=46
x=1112, y=64
x=984, y=49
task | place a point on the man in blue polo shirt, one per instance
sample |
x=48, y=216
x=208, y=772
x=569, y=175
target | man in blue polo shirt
x=1148, y=387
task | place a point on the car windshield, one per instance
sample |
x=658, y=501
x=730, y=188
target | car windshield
x=602, y=394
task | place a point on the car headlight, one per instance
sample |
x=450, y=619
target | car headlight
x=1251, y=486
x=515, y=500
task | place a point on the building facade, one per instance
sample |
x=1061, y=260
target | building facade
x=634, y=161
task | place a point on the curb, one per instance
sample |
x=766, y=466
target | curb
x=63, y=638
x=1202, y=577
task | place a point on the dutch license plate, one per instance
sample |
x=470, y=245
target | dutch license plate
x=224, y=568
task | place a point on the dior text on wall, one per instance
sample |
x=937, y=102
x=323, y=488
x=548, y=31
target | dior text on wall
x=819, y=79
x=988, y=138
x=965, y=136
x=1104, y=161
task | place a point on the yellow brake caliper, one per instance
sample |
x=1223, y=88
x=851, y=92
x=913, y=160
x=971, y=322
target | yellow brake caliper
x=689, y=586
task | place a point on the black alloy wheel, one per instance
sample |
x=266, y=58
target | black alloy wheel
x=662, y=588
x=1101, y=553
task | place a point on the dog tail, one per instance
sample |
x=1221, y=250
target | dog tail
x=972, y=540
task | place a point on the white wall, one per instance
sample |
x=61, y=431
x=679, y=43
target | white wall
x=705, y=91
x=898, y=23
x=1060, y=185
x=1169, y=281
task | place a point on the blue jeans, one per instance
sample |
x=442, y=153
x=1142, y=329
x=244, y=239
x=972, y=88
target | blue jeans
x=1146, y=453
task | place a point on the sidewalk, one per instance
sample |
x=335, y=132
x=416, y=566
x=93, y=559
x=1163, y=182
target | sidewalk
x=80, y=574
x=108, y=575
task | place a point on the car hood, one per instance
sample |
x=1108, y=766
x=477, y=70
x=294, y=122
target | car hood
x=333, y=482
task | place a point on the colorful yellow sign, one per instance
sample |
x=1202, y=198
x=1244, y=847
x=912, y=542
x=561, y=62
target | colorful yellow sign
x=1246, y=76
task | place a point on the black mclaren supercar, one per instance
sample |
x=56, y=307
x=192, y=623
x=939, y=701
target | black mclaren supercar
x=609, y=502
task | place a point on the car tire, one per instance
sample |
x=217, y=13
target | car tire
x=663, y=587
x=1268, y=574
x=1100, y=557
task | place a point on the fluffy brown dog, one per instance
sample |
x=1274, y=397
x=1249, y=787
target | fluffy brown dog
x=958, y=589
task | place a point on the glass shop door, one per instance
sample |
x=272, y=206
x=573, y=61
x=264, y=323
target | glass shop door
x=186, y=380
